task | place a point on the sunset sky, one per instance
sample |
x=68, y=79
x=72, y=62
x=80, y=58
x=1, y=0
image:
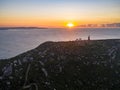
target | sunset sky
x=56, y=13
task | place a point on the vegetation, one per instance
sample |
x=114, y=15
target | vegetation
x=72, y=65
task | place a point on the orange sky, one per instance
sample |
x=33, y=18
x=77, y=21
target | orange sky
x=55, y=13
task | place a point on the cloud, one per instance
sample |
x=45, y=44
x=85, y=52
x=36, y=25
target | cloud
x=100, y=25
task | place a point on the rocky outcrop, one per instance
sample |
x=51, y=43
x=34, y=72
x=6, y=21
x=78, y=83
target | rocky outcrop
x=72, y=65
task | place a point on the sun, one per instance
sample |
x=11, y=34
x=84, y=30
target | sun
x=70, y=25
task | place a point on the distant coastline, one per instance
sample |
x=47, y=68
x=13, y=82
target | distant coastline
x=107, y=25
x=7, y=28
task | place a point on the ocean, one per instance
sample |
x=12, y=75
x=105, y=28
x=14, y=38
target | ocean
x=14, y=42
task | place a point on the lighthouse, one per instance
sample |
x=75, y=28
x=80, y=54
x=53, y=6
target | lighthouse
x=89, y=38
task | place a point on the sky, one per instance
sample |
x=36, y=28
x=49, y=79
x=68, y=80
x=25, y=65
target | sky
x=56, y=13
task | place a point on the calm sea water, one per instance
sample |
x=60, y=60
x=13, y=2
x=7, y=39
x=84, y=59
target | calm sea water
x=14, y=42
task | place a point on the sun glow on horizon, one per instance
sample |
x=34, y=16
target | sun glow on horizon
x=70, y=25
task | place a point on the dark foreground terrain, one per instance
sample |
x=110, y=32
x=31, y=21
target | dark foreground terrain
x=72, y=65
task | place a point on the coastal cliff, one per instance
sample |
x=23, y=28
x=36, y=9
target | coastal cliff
x=70, y=65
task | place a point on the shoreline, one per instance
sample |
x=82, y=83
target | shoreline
x=62, y=41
